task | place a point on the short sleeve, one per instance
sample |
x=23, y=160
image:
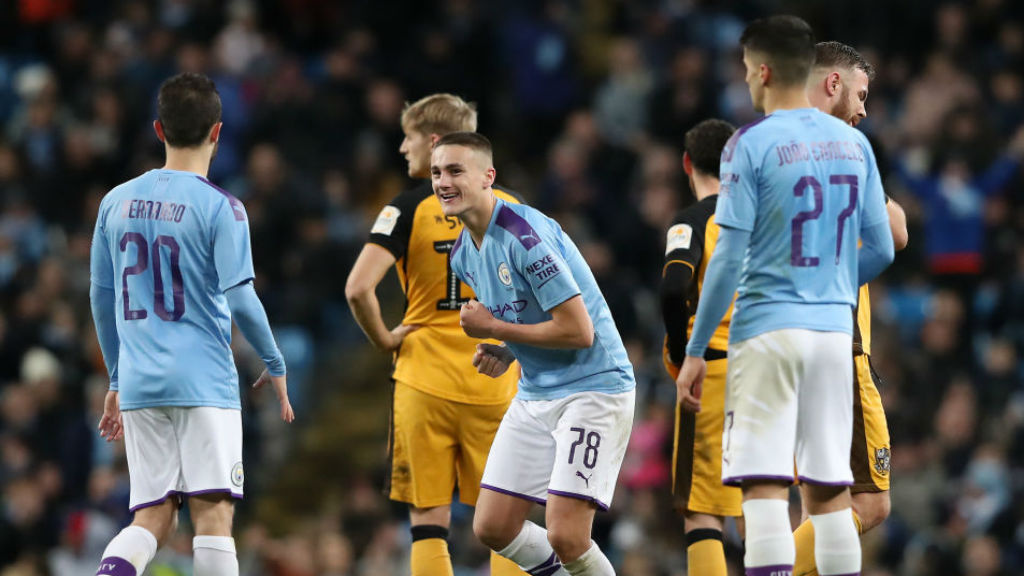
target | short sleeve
x=232, y=251
x=545, y=269
x=684, y=241
x=873, y=208
x=101, y=265
x=737, y=196
x=393, y=226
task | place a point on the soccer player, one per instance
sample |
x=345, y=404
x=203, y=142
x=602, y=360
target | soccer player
x=838, y=85
x=171, y=267
x=697, y=454
x=445, y=414
x=564, y=436
x=799, y=188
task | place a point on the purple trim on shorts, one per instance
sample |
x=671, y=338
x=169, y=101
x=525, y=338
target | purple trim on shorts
x=807, y=480
x=182, y=495
x=540, y=501
x=601, y=505
x=115, y=566
x=738, y=480
x=775, y=570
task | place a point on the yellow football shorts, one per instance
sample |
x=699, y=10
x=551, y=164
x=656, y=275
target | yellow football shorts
x=870, y=451
x=697, y=455
x=435, y=442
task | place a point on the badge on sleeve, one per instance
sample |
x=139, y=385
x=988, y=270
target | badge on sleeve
x=679, y=237
x=386, y=221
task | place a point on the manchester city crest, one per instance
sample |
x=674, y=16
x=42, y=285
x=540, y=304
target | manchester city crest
x=504, y=275
x=237, y=474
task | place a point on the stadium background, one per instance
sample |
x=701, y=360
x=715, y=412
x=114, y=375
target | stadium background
x=587, y=102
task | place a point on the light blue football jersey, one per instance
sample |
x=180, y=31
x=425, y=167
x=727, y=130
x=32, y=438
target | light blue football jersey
x=525, y=266
x=169, y=243
x=804, y=184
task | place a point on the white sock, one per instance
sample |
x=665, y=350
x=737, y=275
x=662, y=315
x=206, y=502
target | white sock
x=214, y=556
x=770, y=544
x=592, y=563
x=836, y=544
x=128, y=553
x=532, y=552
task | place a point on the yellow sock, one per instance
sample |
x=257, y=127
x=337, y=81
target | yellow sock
x=805, y=564
x=430, y=558
x=705, y=555
x=501, y=566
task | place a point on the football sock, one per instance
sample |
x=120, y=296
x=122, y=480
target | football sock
x=214, y=556
x=704, y=553
x=128, y=553
x=837, y=544
x=501, y=566
x=430, y=551
x=531, y=550
x=804, y=536
x=770, y=546
x=592, y=563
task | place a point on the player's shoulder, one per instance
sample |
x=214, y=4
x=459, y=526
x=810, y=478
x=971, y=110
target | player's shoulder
x=522, y=224
x=507, y=194
x=407, y=201
x=202, y=187
x=698, y=213
x=747, y=134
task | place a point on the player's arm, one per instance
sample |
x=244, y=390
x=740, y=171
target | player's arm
x=570, y=326
x=103, y=303
x=877, y=248
x=897, y=224
x=720, y=281
x=683, y=253
x=232, y=257
x=361, y=292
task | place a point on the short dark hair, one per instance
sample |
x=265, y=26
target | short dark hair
x=472, y=140
x=704, y=144
x=187, y=106
x=838, y=55
x=788, y=43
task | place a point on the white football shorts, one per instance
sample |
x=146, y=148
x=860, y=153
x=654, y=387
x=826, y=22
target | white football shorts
x=179, y=452
x=570, y=446
x=789, y=393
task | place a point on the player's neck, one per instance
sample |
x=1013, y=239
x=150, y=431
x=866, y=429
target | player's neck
x=788, y=98
x=476, y=221
x=704, y=185
x=196, y=160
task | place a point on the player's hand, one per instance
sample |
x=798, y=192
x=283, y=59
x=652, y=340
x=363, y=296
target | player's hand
x=111, y=423
x=397, y=335
x=281, y=390
x=690, y=383
x=477, y=321
x=492, y=360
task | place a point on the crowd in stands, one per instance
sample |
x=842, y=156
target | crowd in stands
x=587, y=103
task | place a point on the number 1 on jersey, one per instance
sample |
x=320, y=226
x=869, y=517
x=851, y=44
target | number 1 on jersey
x=453, y=299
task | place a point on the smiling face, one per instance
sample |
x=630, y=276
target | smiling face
x=462, y=179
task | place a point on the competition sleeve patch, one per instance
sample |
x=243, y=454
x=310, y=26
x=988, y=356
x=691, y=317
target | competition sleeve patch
x=386, y=220
x=679, y=238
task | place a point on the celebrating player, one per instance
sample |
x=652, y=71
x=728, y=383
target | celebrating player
x=445, y=414
x=564, y=436
x=171, y=267
x=838, y=85
x=697, y=455
x=799, y=188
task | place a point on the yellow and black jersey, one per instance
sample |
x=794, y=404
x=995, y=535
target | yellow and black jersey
x=862, y=322
x=691, y=241
x=436, y=358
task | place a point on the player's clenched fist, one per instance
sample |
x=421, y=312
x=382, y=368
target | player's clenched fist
x=492, y=360
x=476, y=320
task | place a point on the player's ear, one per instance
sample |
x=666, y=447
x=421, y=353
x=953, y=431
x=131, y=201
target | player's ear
x=159, y=129
x=832, y=83
x=433, y=139
x=765, y=73
x=215, y=132
x=687, y=164
x=489, y=175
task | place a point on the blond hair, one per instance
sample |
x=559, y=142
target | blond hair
x=439, y=114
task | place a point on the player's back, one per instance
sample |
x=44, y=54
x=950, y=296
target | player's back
x=798, y=180
x=169, y=243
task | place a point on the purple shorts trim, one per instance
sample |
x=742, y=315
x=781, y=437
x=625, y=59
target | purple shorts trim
x=807, y=480
x=182, y=495
x=540, y=501
x=601, y=505
x=738, y=480
x=769, y=570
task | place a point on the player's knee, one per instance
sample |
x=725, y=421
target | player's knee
x=568, y=543
x=872, y=508
x=161, y=521
x=212, y=514
x=494, y=532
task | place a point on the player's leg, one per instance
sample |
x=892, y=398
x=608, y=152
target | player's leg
x=424, y=445
x=569, y=521
x=213, y=547
x=758, y=444
x=516, y=476
x=697, y=477
x=210, y=449
x=477, y=427
x=825, y=432
x=153, y=477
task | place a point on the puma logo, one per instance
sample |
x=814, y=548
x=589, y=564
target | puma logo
x=531, y=235
x=585, y=478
